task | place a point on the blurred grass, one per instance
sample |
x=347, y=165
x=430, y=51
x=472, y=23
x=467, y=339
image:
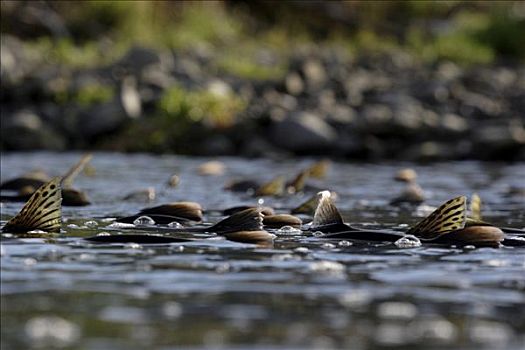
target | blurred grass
x=468, y=32
x=216, y=109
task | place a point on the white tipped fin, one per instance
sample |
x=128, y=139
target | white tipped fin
x=475, y=207
x=326, y=212
x=43, y=211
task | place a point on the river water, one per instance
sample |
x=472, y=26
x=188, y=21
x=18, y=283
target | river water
x=299, y=293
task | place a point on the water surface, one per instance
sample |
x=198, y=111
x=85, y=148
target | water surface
x=301, y=292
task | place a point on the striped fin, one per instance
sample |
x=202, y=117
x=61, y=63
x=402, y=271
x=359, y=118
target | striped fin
x=297, y=184
x=450, y=216
x=42, y=211
x=326, y=212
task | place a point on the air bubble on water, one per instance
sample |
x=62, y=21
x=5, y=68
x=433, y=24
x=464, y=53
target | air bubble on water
x=51, y=331
x=73, y=226
x=86, y=257
x=175, y=224
x=317, y=234
x=172, y=310
x=133, y=246
x=108, y=219
x=408, y=241
x=397, y=310
x=469, y=247
x=433, y=328
x=222, y=268
x=289, y=230
x=328, y=246
x=355, y=298
x=490, y=332
x=103, y=233
x=29, y=261
x=301, y=250
x=283, y=257
x=345, y=244
x=177, y=248
x=91, y=224
x=120, y=225
x=260, y=201
x=37, y=232
x=325, y=266
x=144, y=220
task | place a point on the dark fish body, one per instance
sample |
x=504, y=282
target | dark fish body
x=158, y=218
x=70, y=198
x=242, y=186
x=136, y=238
x=366, y=235
x=74, y=198
x=21, y=182
x=188, y=210
x=244, y=226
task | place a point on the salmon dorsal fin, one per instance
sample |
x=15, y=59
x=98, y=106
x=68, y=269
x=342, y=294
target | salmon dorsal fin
x=72, y=173
x=246, y=220
x=298, y=182
x=326, y=212
x=450, y=216
x=319, y=169
x=307, y=207
x=42, y=211
x=475, y=207
x=274, y=187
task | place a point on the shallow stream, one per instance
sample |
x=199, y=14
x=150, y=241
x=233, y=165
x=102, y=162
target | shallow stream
x=299, y=293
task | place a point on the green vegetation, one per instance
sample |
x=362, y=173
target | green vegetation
x=466, y=32
x=177, y=125
x=248, y=40
x=216, y=109
x=87, y=95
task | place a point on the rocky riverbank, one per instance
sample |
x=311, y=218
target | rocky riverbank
x=319, y=101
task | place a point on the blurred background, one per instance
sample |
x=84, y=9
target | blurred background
x=411, y=80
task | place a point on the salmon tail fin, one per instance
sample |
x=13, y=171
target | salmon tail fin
x=43, y=211
x=450, y=216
